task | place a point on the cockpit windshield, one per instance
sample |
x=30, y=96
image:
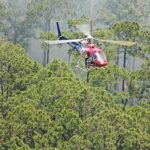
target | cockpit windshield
x=99, y=57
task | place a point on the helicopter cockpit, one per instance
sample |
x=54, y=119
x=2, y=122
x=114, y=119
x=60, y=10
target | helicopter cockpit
x=99, y=58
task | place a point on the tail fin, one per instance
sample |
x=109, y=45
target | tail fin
x=58, y=29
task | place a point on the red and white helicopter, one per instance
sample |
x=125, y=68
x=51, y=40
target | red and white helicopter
x=93, y=56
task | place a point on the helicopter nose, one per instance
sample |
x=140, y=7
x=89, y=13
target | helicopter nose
x=102, y=64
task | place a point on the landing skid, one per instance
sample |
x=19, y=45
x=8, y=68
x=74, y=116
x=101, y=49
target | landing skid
x=81, y=65
x=86, y=68
x=80, y=68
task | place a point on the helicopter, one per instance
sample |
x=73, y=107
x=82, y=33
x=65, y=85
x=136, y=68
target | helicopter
x=92, y=55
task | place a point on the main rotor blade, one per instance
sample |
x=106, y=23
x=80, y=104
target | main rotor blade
x=53, y=42
x=84, y=28
x=124, y=43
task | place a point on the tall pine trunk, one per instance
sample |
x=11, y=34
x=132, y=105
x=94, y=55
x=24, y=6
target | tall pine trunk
x=46, y=52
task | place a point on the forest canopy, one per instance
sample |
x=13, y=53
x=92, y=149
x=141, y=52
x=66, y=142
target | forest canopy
x=50, y=108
